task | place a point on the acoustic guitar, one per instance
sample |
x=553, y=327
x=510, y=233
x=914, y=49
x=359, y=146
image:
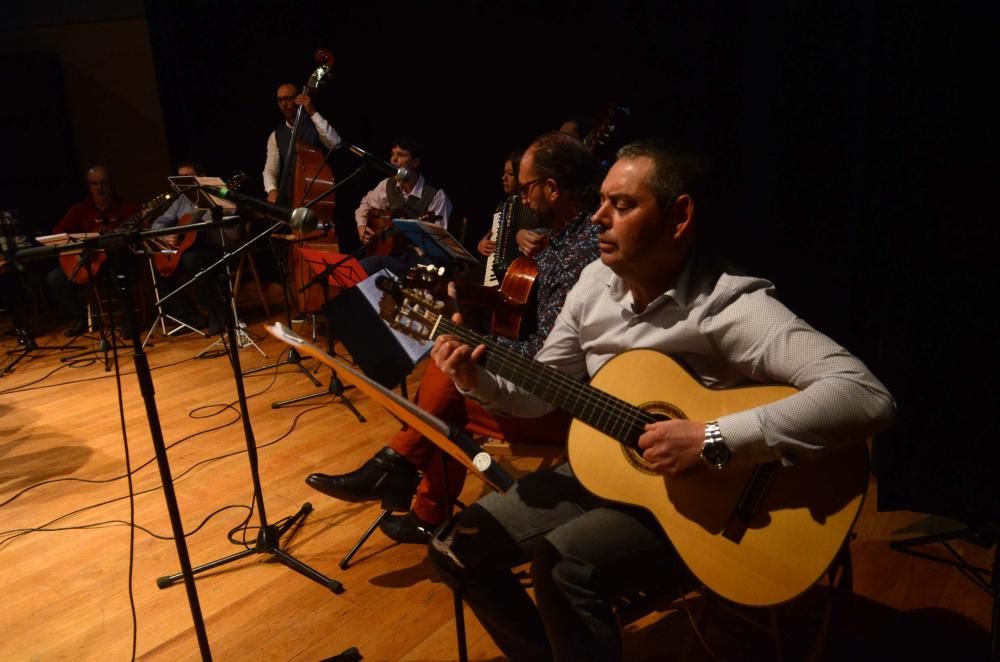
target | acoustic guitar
x=511, y=308
x=167, y=260
x=757, y=535
x=81, y=267
x=380, y=220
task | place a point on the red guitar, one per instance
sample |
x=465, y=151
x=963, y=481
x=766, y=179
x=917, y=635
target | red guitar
x=80, y=270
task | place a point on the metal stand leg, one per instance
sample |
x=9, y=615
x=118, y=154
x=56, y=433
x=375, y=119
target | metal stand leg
x=162, y=317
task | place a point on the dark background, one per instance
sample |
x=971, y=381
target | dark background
x=853, y=145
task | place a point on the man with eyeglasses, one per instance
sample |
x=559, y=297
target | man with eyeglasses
x=313, y=130
x=556, y=181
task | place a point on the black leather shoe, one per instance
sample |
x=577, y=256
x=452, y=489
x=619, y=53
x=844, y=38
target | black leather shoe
x=407, y=529
x=388, y=476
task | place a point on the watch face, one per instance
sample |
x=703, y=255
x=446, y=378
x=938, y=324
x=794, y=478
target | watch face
x=716, y=454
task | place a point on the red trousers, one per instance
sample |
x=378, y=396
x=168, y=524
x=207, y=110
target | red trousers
x=438, y=395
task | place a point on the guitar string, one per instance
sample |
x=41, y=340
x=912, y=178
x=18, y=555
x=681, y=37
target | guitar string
x=605, y=405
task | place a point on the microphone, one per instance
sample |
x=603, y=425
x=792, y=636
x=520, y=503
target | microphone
x=382, y=166
x=301, y=219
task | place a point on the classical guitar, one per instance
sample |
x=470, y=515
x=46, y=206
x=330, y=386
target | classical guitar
x=168, y=258
x=606, y=135
x=757, y=535
x=81, y=267
x=380, y=220
x=511, y=308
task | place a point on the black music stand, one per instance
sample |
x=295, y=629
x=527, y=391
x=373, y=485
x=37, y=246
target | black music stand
x=293, y=356
x=25, y=340
x=342, y=273
x=449, y=438
x=269, y=535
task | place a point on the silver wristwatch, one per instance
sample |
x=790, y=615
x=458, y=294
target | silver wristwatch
x=714, y=451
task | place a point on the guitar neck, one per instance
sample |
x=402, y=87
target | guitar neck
x=612, y=416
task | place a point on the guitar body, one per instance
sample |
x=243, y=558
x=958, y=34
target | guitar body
x=81, y=273
x=166, y=263
x=379, y=220
x=511, y=307
x=794, y=534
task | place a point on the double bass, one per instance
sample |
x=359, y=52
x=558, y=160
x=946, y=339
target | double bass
x=311, y=177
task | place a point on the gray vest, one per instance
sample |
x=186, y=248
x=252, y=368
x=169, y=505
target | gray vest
x=406, y=206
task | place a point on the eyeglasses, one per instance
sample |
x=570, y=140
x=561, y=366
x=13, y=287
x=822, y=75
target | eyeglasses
x=524, y=189
x=288, y=98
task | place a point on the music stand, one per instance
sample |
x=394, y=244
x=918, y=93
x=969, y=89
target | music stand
x=449, y=438
x=434, y=241
x=333, y=273
x=25, y=340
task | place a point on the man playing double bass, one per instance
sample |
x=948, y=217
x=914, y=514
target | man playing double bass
x=313, y=130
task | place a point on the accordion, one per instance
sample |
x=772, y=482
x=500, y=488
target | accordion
x=512, y=215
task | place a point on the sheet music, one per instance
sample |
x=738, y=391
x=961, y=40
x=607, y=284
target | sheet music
x=434, y=239
x=65, y=238
x=414, y=348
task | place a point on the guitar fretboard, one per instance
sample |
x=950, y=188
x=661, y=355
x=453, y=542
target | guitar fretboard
x=612, y=416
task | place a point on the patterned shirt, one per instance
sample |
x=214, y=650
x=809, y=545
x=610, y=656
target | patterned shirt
x=569, y=250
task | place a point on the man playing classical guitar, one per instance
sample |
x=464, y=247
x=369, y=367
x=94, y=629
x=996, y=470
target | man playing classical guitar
x=100, y=212
x=650, y=289
x=408, y=197
x=195, y=258
x=559, y=177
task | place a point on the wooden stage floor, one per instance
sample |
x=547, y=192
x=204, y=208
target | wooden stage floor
x=66, y=551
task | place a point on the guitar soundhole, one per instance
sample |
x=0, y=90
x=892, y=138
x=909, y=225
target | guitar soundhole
x=661, y=411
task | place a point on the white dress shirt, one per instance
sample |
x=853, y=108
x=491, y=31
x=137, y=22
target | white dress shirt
x=327, y=135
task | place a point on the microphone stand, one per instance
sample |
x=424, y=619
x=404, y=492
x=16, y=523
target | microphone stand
x=336, y=388
x=145, y=379
x=293, y=357
x=269, y=535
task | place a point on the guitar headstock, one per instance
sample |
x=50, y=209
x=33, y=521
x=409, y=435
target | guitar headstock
x=608, y=129
x=147, y=209
x=413, y=309
x=236, y=181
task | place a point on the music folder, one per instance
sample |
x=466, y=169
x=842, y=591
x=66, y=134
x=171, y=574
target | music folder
x=188, y=187
x=433, y=239
x=383, y=353
x=448, y=438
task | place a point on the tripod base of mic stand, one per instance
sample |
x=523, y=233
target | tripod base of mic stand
x=243, y=340
x=335, y=388
x=267, y=543
x=26, y=346
x=293, y=359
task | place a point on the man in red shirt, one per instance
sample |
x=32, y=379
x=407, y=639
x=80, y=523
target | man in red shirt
x=100, y=212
